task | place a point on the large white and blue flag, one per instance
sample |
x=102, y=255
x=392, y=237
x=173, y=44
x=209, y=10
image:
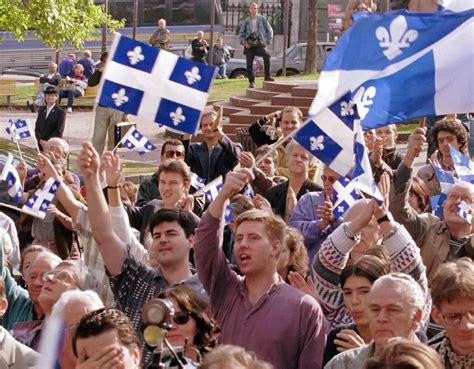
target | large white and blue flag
x=329, y=136
x=345, y=193
x=37, y=204
x=463, y=166
x=19, y=129
x=437, y=203
x=52, y=341
x=455, y=5
x=410, y=65
x=10, y=175
x=134, y=140
x=155, y=85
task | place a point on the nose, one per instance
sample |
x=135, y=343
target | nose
x=382, y=316
x=355, y=300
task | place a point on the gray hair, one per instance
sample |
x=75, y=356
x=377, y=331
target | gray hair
x=88, y=296
x=289, y=149
x=86, y=280
x=407, y=286
x=60, y=141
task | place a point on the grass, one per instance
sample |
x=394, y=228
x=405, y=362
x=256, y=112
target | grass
x=221, y=90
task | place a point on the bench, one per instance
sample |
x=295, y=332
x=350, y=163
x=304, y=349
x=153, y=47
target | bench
x=8, y=89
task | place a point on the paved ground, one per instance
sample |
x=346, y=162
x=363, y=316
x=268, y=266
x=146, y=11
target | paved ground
x=79, y=127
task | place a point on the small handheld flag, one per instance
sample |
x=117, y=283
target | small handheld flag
x=134, y=140
x=464, y=211
x=19, y=129
x=345, y=194
x=10, y=174
x=463, y=166
x=37, y=205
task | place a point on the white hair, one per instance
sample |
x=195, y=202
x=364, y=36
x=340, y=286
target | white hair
x=60, y=141
x=77, y=296
x=407, y=286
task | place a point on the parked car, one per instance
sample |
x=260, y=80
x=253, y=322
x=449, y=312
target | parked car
x=295, y=59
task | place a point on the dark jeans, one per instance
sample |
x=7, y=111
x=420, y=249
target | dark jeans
x=70, y=94
x=250, y=55
x=199, y=59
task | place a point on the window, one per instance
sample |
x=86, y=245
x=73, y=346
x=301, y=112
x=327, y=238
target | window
x=152, y=11
x=182, y=12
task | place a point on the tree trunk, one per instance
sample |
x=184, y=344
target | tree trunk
x=310, y=63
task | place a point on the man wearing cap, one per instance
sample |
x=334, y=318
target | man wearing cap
x=51, y=118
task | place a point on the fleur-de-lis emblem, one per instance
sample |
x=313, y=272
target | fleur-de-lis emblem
x=400, y=37
x=193, y=75
x=347, y=108
x=120, y=97
x=135, y=56
x=340, y=209
x=364, y=98
x=177, y=117
x=317, y=143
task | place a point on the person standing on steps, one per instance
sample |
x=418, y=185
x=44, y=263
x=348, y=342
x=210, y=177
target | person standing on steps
x=255, y=34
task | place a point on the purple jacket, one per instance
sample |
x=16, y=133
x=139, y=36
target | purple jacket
x=306, y=220
x=285, y=327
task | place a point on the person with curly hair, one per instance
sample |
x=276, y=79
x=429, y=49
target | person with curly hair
x=293, y=257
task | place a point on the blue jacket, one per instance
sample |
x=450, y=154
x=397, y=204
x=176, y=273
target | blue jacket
x=264, y=30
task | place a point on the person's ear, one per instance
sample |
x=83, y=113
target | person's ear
x=3, y=306
x=436, y=315
x=276, y=248
x=417, y=318
x=191, y=238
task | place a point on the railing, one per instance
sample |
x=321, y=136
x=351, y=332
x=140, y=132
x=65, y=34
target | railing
x=234, y=14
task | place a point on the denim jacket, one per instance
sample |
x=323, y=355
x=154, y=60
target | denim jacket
x=264, y=30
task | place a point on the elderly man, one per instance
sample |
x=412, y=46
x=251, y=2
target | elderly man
x=161, y=37
x=439, y=240
x=284, y=196
x=255, y=34
x=13, y=354
x=71, y=307
x=50, y=79
x=395, y=310
x=452, y=289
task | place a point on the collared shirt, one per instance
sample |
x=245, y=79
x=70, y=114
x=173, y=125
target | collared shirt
x=449, y=358
x=285, y=327
x=352, y=359
x=48, y=110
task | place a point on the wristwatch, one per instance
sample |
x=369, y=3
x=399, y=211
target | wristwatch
x=385, y=218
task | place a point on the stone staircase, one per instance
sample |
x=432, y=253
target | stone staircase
x=244, y=110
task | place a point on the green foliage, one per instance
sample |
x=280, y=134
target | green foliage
x=55, y=22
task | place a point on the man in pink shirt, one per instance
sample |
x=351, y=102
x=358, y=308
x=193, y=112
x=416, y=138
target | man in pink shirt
x=258, y=311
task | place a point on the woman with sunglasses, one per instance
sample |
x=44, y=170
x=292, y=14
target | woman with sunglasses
x=313, y=214
x=193, y=325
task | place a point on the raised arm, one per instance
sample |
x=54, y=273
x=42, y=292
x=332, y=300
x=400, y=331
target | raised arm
x=111, y=247
x=211, y=264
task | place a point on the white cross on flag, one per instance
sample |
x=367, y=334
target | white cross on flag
x=134, y=140
x=37, y=205
x=155, y=85
x=345, y=194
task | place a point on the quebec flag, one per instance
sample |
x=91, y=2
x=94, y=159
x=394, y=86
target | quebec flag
x=19, y=129
x=10, y=175
x=329, y=136
x=345, y=194
x=134, y=140
x=463, y=165
x=155, y=85
x=37, y=205
x=401, y=65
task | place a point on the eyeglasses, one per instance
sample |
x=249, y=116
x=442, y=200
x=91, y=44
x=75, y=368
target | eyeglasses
x=181, y=317
x=331, y=179
x=454, y=319
x=171, y=154
x=61, y=276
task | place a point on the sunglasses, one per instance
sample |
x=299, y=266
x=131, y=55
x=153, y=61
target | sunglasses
x=171, y=154
x=181, y=317
x=328, y=178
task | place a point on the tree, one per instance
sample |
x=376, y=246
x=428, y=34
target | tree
x=310, y=62
x=55, y=22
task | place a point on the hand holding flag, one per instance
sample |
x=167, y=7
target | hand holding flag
x=134, y=140
x=10, y=174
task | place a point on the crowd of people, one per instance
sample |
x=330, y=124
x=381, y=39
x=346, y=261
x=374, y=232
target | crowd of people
x=282, y=284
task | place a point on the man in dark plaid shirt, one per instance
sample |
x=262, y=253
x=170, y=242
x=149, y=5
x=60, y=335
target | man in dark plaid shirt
x=132, y=282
